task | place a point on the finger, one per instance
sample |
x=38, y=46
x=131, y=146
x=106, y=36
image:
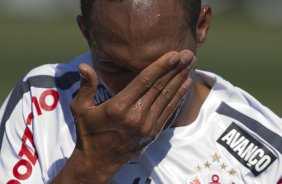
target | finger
x=143, y=105
x=88, y=86
x=145, y=80
x=160, y=84
x=165, y=96
x=172, y=105
x=170, y=90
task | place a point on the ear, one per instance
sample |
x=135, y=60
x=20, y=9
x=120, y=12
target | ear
x=203, y=24
x=84, y=29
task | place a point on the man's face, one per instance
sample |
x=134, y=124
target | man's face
x=127, y=36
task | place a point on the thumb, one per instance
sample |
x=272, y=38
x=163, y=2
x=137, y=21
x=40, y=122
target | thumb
x=88, y=85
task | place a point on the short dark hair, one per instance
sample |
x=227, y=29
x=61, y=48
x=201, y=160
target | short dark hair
x=192, y=10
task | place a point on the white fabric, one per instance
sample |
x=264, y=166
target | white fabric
x=39, y=137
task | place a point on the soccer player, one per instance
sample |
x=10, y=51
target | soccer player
x=135, y=110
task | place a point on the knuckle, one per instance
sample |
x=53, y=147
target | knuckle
x=115, y=111
x=132, y=120
x=167, y=93
x=159, y=85
x=146, y=81
x=79, y=109
x=74, y=107
x=76, y=112
x=170, y=108
x=161, y=67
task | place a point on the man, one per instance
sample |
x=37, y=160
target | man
x=140, y=114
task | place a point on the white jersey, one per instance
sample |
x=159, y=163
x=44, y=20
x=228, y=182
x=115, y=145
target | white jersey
x=234, y=139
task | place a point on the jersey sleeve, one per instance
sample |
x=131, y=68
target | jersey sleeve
x=18, y=154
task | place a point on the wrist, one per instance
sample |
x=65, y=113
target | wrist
x=80, y=169
x=88, y=169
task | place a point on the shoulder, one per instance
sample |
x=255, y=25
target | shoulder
x=45, y=91
x=249, y=131
x=42, y=75
x=224, y=94
x=37, y=114
x=42, y=83
x=253, y=137
x=58, y=77
x=239, y=105
x=236, y=105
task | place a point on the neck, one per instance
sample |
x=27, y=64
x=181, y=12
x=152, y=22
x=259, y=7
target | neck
x=192, y=104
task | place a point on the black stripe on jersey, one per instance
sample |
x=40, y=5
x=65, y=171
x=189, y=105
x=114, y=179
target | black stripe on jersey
x=272, y=138
x=41, y=81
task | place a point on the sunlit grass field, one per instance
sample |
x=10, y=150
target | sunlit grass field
x=247, y=54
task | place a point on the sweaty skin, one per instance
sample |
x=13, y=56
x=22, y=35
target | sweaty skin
x=143, y=51
x=133, y=36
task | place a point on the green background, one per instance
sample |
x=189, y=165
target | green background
x=243, y=52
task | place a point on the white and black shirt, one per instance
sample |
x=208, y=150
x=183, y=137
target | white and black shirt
x=234, y=138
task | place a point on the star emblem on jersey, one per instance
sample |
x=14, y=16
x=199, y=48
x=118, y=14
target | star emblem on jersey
x=198, y=168
x=207, y=164
x=215, y=158
x=231, y=171
x=214, y=170
x=223, y=166
x=215, y=162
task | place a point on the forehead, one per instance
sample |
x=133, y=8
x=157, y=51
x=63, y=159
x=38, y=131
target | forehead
x=137, y=28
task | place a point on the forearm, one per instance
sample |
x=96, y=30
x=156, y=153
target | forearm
x=79, y=170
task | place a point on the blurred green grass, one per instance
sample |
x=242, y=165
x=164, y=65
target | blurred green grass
x=247, y=54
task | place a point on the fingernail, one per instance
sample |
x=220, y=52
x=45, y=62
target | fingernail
x=82, y=72
x=187, y=83
x=192, y=63
x=194, y=60
x=186, y=58
x=82, y=76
